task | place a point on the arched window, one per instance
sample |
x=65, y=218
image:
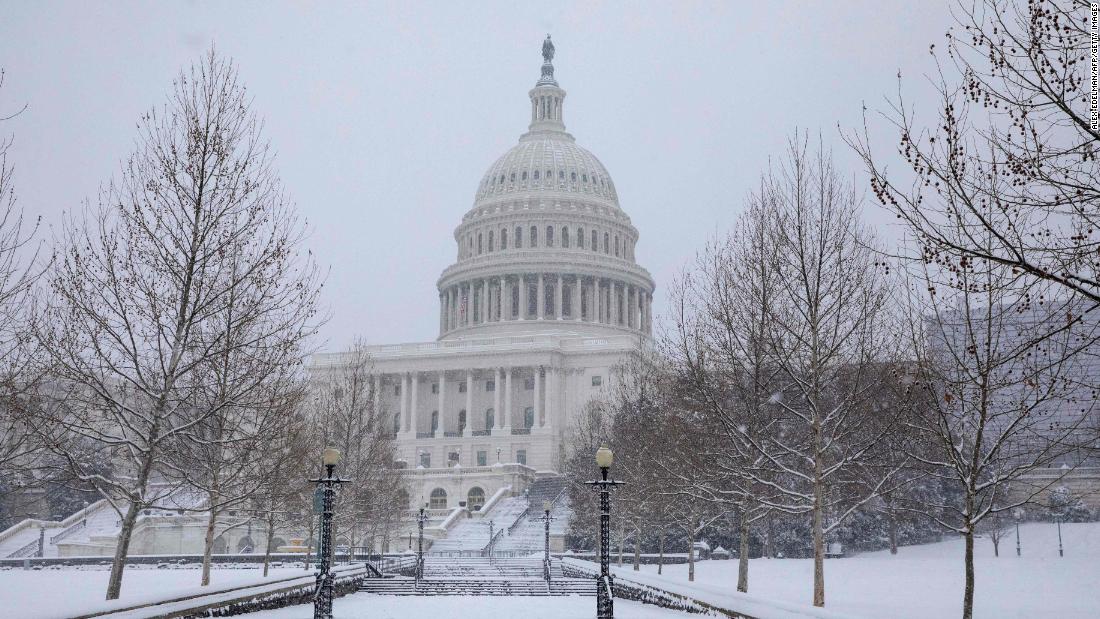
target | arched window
x=245, y=545
x=580, y=238
x=524, y=177
x=490, y=241
x=438, y=499
x=536, y=175
x=573, y=177
x=549, y=236
x=519, y=237
x=435, y=421
x=489, y=419
x=479, y=243
x=584, y=177
x=475, y=499
x=561, y=175
x=534, y=237
x=595, y=241
x=512, y=177
x=565, y=237
x=616, y=245
x=529, y=417
x=503, y=238
x=462, y=420
x=606, y=243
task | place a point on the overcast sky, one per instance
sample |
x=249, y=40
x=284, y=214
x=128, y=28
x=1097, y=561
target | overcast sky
x=386, y=115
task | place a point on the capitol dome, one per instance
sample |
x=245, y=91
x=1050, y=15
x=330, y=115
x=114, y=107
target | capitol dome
x=545, y=246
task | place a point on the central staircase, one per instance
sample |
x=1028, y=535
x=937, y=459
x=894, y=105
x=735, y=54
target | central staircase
x=482, y=576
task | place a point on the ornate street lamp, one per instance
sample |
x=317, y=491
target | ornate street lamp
x=605, y=605
x=546, y=507
x=420, y=520
x=322, y=597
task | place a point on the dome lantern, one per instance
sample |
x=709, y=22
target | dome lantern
x=546, y=96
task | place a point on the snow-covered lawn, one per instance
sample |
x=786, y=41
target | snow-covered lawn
x=923, y=582
x=59, y=593
x=362, y=605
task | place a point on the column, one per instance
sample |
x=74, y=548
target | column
x=404, y=398
x=593, y=301
x=538, y=396
x=498, y=386
x=540, y=301
x=442, y=312
x=614, y=304
x=551, y=390
x=484, y=304
x=502, y=306
x=506, y=418
x=442, y=401
x=523, y=297
x=631, y=304
x=578, y=311
x=469, y=402
x=411, y=427
x=558, y=298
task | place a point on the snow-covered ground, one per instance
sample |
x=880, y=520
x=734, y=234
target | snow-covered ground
x=923, y=582
x=59, y=593
x=362, y=605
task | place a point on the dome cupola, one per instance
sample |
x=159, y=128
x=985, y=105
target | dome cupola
x=545, y=247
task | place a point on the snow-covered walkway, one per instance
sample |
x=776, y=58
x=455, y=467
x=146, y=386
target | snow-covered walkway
x=363, y=605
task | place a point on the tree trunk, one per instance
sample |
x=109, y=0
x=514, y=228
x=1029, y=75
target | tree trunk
x=819, y=535
x=267, y=546
x=893, y=530
x=769, y=540
x=622, y=541
x=660, y=551
x=691, y=553
x=114, y=585
x=743, y=555
x=208, y=547
x=637, y=550
x=968, y=594
x=996, y=539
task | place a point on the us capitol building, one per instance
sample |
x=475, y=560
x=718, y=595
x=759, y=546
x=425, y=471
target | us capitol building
x=543, y=300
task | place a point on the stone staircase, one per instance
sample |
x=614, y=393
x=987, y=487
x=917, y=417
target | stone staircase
x=471, y=535
x=482, y=576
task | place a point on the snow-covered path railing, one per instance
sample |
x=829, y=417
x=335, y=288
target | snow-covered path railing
x=274, y=593
x=653, y=589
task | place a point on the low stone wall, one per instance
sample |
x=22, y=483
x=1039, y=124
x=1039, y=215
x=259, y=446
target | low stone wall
x=646, y=594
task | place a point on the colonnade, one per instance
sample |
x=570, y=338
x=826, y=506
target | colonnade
x=545, y=296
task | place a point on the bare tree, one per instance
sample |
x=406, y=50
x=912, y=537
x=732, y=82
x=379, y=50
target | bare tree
x=1013, y=151
x=195, y=240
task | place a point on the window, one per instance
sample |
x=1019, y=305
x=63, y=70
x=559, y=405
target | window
x=584, y=177
x=597, y=381
x=438, y=499
x=521, y=456
x=397, y=389
x=396, y=423
x=549, y=175
x=606, y=243
x=453, y=458
x=479, y=243
x=475, y=499
x=504, y=239
x=536, y=175
x=512, y=177
x=489, y=419
x=561, y=175
x=549, y=236
x=482, y=456
x=462, y=387
x=524, y=177
x=435, y=421
x=573, y=177
x=616, y=246
x=595, y=241
x=529, y=417
x=425, y=459
x=529, y=384
x=490, y=385
x=435, y=387
x=462, y=420
x=490, y=240
x=519, y=237
x=565, y=237
x=580, y=238
x=534, y=236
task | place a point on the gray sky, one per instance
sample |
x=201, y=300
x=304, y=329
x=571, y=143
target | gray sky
x=386, y=115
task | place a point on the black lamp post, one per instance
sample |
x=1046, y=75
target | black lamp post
x=420, y=520
x=546, y=507
x=605, y=605
x=322, y=597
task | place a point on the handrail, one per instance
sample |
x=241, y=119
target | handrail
x=24, y=551
x=69, y=530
